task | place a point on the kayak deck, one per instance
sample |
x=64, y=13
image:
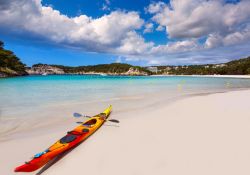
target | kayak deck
x=73, y=138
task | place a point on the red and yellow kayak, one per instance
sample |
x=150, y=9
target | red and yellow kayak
x=73, y=138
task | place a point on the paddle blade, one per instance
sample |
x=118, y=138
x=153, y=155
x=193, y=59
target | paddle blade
x=86, y=116
x=114, y=120
x=77, y=115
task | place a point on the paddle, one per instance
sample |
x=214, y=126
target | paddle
x=114, y=120
x=104, y=125
x=77, y=115
x=79, y=122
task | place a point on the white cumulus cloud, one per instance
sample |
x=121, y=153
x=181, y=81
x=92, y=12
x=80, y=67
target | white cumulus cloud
x=134, y=44
x=196, y=30
x=173, y=47
x=149, y=27
x=214, y=19
x=103, y=34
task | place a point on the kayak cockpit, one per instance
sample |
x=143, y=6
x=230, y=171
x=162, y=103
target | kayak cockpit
x=72, y=135
x=90, y=123
x=67, y=139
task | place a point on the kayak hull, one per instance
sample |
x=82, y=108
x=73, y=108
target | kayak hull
x=72, y=139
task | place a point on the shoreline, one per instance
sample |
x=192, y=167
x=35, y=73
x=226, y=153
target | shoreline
x=180, y=137
x=65, y=116
x=210, y=76
x=123, y=75
x=46, y=122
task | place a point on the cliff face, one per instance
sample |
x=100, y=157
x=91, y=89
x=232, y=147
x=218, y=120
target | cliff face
x=40, y=69
x=131, y=72
x=8, y=72
x=134, y=72
x=2, y=75
x=44, y=69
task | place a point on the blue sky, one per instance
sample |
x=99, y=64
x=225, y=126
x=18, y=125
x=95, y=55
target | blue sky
x=141, y=32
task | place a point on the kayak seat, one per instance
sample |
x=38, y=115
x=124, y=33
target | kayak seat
x=68, y=138
x=86, y=125
x=90, y=122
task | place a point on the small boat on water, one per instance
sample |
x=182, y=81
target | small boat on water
x=44, y=74
x=103, y=74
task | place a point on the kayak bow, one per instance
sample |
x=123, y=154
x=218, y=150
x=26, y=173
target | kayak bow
x=73, y=138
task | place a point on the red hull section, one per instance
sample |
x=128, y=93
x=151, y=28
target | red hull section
x=36, y=163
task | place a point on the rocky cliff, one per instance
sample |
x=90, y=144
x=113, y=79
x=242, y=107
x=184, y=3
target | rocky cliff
x=111, y=69
x=40, y=69
x=135, y=72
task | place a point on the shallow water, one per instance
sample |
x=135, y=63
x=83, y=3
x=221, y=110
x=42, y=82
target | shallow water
x=36, y=101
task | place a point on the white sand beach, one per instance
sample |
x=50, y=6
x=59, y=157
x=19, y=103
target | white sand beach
x=212, y=76
x=197, y=135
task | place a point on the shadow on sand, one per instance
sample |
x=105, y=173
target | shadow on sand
x=56, y=159
x=60, y=156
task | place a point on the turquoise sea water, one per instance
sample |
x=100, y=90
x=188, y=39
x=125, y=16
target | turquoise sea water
x=23, y=99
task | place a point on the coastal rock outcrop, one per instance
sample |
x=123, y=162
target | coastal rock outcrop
x=135, y=72
x=40, y=69
x=112, y=69
x=2, y=75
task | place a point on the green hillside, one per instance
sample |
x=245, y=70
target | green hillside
x=10, y=64
x=102, y=68
x=236, y=67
